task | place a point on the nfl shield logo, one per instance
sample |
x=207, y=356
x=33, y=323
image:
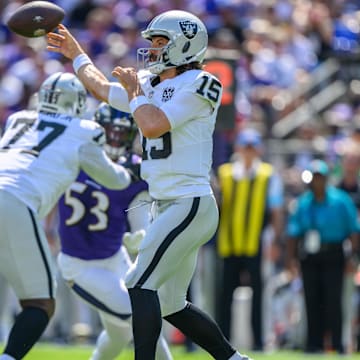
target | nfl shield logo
x=188, y=28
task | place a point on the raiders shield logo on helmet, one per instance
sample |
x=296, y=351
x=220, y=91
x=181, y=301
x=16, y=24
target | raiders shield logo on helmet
x=188, y=28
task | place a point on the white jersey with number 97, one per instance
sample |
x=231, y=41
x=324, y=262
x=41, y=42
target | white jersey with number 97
x=178, y=163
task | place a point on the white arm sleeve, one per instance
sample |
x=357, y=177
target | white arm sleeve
x=139, y=212
x=118, y=97
x=95, y=162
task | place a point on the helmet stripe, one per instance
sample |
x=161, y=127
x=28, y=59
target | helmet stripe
x=53, y=87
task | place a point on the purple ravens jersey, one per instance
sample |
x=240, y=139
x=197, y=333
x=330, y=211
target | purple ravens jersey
x=93, y=218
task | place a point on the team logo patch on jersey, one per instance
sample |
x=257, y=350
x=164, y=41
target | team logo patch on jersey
x=168, y=94
x=188, y=28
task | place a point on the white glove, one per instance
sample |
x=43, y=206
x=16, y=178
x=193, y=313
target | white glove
x=132, y=241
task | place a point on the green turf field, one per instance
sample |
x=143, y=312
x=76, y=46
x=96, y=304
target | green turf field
x=53, y=352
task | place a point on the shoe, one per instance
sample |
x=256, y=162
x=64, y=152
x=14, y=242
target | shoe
x=238, y=356
x=245, y=357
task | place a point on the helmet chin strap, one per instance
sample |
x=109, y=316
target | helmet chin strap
x=156, y=68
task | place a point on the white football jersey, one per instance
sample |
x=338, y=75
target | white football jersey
x=178, y=163
x=41, y=155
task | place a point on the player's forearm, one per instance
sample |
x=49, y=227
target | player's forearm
x=152, y=121
x=94, y=81
x=116, y=177
x=97, y=165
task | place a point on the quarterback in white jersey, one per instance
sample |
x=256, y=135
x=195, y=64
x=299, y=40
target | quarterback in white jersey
x=174, y=103
x=182, y=157
x=41, y=154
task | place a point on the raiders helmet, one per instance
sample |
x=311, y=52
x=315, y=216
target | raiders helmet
x=188, y=40
x=62, y=93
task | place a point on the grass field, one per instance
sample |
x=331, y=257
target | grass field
x=53, y=352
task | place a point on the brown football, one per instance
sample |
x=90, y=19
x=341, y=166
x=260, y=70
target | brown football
x=35, y=19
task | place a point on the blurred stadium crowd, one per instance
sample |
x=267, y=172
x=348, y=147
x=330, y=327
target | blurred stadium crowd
x=290, y=68
x=286, y=55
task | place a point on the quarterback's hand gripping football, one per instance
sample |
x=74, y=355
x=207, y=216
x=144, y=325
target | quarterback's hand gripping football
x=64, y=43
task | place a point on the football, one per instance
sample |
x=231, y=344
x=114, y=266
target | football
x=35, y=19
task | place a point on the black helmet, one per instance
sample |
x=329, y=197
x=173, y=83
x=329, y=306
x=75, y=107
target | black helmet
x=120, y=130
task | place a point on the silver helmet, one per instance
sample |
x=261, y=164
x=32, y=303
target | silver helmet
x=62, y=93
x=188, y=40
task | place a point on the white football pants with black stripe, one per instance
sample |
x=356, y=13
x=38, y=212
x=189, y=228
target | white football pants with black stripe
x=167, y=255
